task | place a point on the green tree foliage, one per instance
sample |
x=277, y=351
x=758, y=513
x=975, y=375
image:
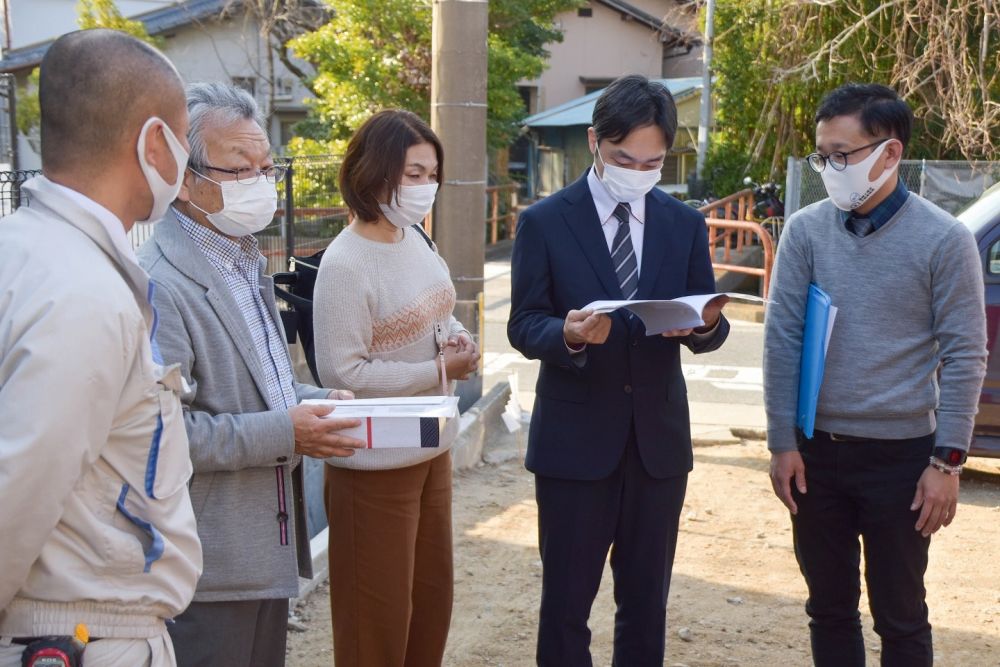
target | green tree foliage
x=774, y=60
x=375, y=54
x=29, y=113
x=90, y=14
x=105, y=14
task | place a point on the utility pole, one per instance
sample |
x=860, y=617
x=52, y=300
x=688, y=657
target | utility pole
x=458, y=116
x=706, y=88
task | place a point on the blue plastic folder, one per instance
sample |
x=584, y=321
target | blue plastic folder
x=820, y=314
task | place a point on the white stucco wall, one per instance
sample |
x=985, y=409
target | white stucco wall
x=599, y=46
x=210, y=51
x=35, y=21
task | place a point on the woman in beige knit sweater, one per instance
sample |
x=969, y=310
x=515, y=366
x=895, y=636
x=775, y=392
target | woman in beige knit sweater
x=384, y=327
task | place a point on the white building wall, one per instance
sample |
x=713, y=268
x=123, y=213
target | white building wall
x=212, y=50
x=599, y=46
x=605, y=46
x=36, y=21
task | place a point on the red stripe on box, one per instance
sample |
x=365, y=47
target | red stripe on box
x=369, y=421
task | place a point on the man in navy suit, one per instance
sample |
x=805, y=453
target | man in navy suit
x=610, y=437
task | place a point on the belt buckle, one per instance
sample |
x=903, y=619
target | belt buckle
x=837, y=438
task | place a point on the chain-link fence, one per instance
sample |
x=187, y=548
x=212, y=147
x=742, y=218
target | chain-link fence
x=11, y=194
x=951, y=184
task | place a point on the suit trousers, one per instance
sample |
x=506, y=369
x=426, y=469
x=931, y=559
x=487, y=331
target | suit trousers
x=237, y=633
x=863, y=490
x=636, y=516
x=391, y=577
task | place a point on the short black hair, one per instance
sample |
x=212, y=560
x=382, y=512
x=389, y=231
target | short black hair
x=879, y=108
x=96, y=88
x=631, y=102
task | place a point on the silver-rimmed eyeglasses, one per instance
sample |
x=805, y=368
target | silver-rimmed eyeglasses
x=250, y=175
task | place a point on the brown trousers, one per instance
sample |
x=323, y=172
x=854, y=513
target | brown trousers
x=390, y=564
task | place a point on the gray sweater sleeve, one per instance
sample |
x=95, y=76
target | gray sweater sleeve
x=783, y=326
x=960, y=330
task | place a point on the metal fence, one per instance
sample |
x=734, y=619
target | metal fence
x=11, y=195
x=951, y=184
x=308, y=198
x=8, y=121
x=310, y=213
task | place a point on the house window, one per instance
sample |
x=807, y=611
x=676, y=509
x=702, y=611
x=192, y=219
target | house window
x=247, y=83
x=284, y=88
x=592, y=84
x=529, y=95
x=287, y=127
x=671, y=170
x=585, y=12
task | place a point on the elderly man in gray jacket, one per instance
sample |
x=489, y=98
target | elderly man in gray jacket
x=218, y=320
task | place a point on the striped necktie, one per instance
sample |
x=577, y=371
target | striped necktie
x=623, y=254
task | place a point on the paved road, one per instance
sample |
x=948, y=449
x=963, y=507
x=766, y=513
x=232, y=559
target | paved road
x=731, y=375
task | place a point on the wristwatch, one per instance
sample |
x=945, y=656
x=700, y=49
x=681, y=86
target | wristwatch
x=948, y=460
x=951, y=456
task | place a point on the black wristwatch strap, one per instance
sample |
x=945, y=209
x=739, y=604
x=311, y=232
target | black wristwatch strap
x=950, y=455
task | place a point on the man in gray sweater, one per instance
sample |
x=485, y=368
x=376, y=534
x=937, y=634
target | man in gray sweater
x=904, y=368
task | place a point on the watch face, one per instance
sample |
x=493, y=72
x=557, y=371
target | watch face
x=950, y=455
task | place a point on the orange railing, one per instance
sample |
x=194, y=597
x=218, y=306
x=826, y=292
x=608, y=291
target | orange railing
x=510, y=217
x=730, y=223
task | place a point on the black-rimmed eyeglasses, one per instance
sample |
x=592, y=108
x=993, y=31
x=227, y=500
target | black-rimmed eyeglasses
x=837, y=159
x=249, y=176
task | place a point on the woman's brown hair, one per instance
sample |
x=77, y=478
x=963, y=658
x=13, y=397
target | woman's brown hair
x=376, y=158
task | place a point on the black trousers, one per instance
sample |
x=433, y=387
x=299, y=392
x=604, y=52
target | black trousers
x=863, y=489
x=577, y=522
x=242, y=633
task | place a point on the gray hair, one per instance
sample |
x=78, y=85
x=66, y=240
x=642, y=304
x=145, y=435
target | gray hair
x=213, y=104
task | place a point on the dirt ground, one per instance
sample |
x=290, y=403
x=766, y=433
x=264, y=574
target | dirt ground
x=736, y=598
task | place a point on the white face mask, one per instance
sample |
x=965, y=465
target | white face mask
x=412, y=204
x=850, y=188
x=246, y=209
x=163, y=193
x=626, y=185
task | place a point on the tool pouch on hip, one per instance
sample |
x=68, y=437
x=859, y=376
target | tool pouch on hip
x=53, y=652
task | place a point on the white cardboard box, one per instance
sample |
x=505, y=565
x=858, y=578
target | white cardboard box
x=396, y=422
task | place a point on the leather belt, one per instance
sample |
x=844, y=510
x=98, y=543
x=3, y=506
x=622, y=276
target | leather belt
x=25, y=641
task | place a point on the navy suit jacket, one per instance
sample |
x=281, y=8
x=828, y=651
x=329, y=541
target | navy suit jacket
x=586, y=404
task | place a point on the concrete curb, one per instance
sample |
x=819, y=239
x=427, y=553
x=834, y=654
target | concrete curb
x=466, y=453
x=468, y=448
x=745, y=312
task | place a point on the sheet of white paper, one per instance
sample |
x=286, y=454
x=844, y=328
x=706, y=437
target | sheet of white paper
x=829, y=329
x=512, y=414
x=420, y=406
x=667, y=315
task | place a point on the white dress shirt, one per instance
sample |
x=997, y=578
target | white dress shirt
x=606, y=205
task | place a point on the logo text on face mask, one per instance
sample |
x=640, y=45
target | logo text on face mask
x=859, y=198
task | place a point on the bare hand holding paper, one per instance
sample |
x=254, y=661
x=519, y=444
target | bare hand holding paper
x=668, y=315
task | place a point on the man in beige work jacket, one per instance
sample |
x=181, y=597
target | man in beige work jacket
x=96, y=521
